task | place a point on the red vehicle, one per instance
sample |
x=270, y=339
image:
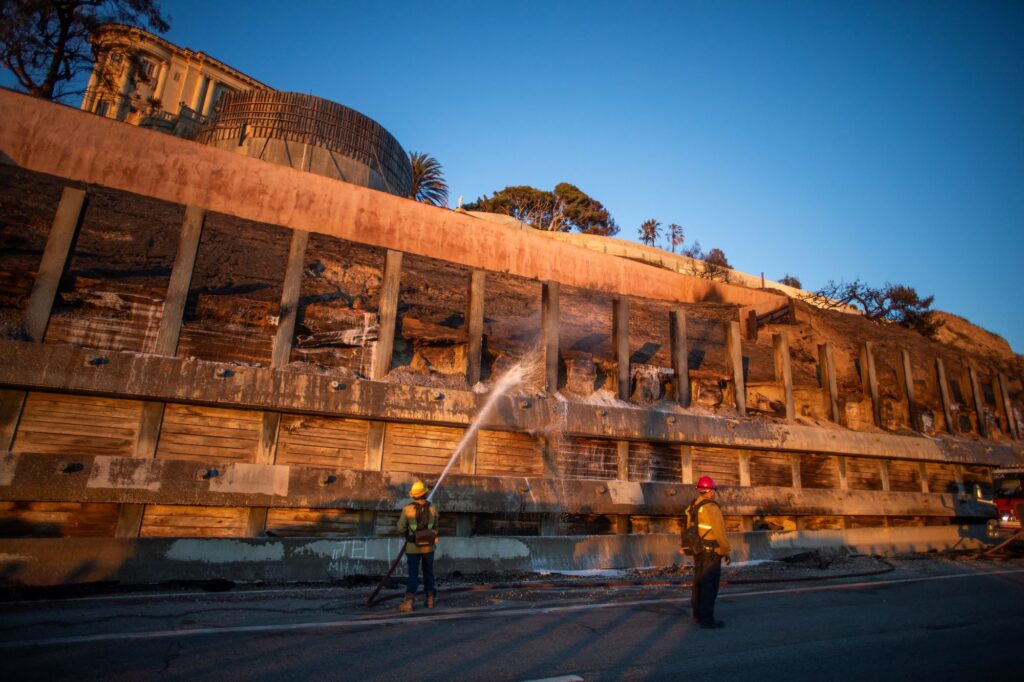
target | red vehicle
x=1008, y=498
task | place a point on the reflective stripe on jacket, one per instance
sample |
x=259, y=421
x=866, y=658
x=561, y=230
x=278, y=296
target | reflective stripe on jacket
x=711, y=523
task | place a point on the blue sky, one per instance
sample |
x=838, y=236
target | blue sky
x=828, y=140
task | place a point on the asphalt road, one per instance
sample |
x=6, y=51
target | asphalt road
x=926, y=620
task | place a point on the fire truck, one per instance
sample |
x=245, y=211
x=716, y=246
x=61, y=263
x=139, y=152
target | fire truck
x=1008, y=498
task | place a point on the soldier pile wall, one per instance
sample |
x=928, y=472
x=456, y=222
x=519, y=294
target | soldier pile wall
x=202, y=345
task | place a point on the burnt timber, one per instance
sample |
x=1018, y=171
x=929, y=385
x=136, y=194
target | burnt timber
x=199, y=344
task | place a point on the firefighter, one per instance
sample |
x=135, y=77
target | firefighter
x=708, y=554
x=418, y=523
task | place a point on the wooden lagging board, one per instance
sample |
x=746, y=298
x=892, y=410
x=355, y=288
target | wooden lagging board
x=819, y=471
x=312, y=523
x=977, y=475
x=209, y=434
x=587, y=458
x=419, y=448
x=160, y=520
x=57, y=519
x=327, y=442
x=132, y=327
x=904, y=477
x=863, y=473
x=54, y=423
x=721, y=465
x=203, y=434
x=226, y=343
x=502, y=453
x=655, y=462
x=770, y=469
x=941, y=477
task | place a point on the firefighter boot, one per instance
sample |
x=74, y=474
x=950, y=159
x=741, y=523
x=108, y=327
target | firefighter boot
x=406, y=605
x=430, y=600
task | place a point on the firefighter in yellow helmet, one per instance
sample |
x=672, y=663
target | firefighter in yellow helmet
x=418, y=523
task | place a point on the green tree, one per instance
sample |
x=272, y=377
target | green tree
x=582, y=212
x=428, y=183
x=565, y=208
x=46, y=43
x=649, y=231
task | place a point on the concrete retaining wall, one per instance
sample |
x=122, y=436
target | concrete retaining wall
x=62, y=561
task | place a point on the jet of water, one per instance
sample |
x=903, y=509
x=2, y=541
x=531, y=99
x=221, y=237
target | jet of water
x=511, y=378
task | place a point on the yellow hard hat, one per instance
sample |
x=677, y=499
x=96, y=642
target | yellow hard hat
x=418, y=490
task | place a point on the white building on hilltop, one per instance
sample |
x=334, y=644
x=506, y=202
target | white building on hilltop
x=145, y=80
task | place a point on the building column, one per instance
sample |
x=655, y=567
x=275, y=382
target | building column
x=161, y=83
x=123, y=88
x=199, y=94
x=89, y=98
x=209, y=99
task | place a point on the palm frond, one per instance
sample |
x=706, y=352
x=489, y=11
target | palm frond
x=428, y=183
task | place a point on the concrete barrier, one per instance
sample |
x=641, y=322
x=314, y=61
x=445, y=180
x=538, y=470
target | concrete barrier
x=64, y=561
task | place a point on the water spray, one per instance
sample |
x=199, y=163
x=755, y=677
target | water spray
x=517, y=375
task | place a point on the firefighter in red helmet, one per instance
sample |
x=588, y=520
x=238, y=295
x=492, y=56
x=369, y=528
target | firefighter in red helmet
x=709, y=551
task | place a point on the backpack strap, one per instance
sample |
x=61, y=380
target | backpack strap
x=414, y=523
x=696, y=517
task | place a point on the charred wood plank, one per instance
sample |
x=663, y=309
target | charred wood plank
x=82, y=478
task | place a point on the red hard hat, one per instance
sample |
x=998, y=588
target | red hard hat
x=705, y=483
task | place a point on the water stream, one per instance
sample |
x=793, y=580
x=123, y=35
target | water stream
x=513, y=377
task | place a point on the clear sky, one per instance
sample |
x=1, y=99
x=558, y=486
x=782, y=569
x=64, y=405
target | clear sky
x=827, y=140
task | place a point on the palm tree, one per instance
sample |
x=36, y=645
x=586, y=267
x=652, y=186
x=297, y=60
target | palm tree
x=428, y=184
x=675, y=236
x=649, y=231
